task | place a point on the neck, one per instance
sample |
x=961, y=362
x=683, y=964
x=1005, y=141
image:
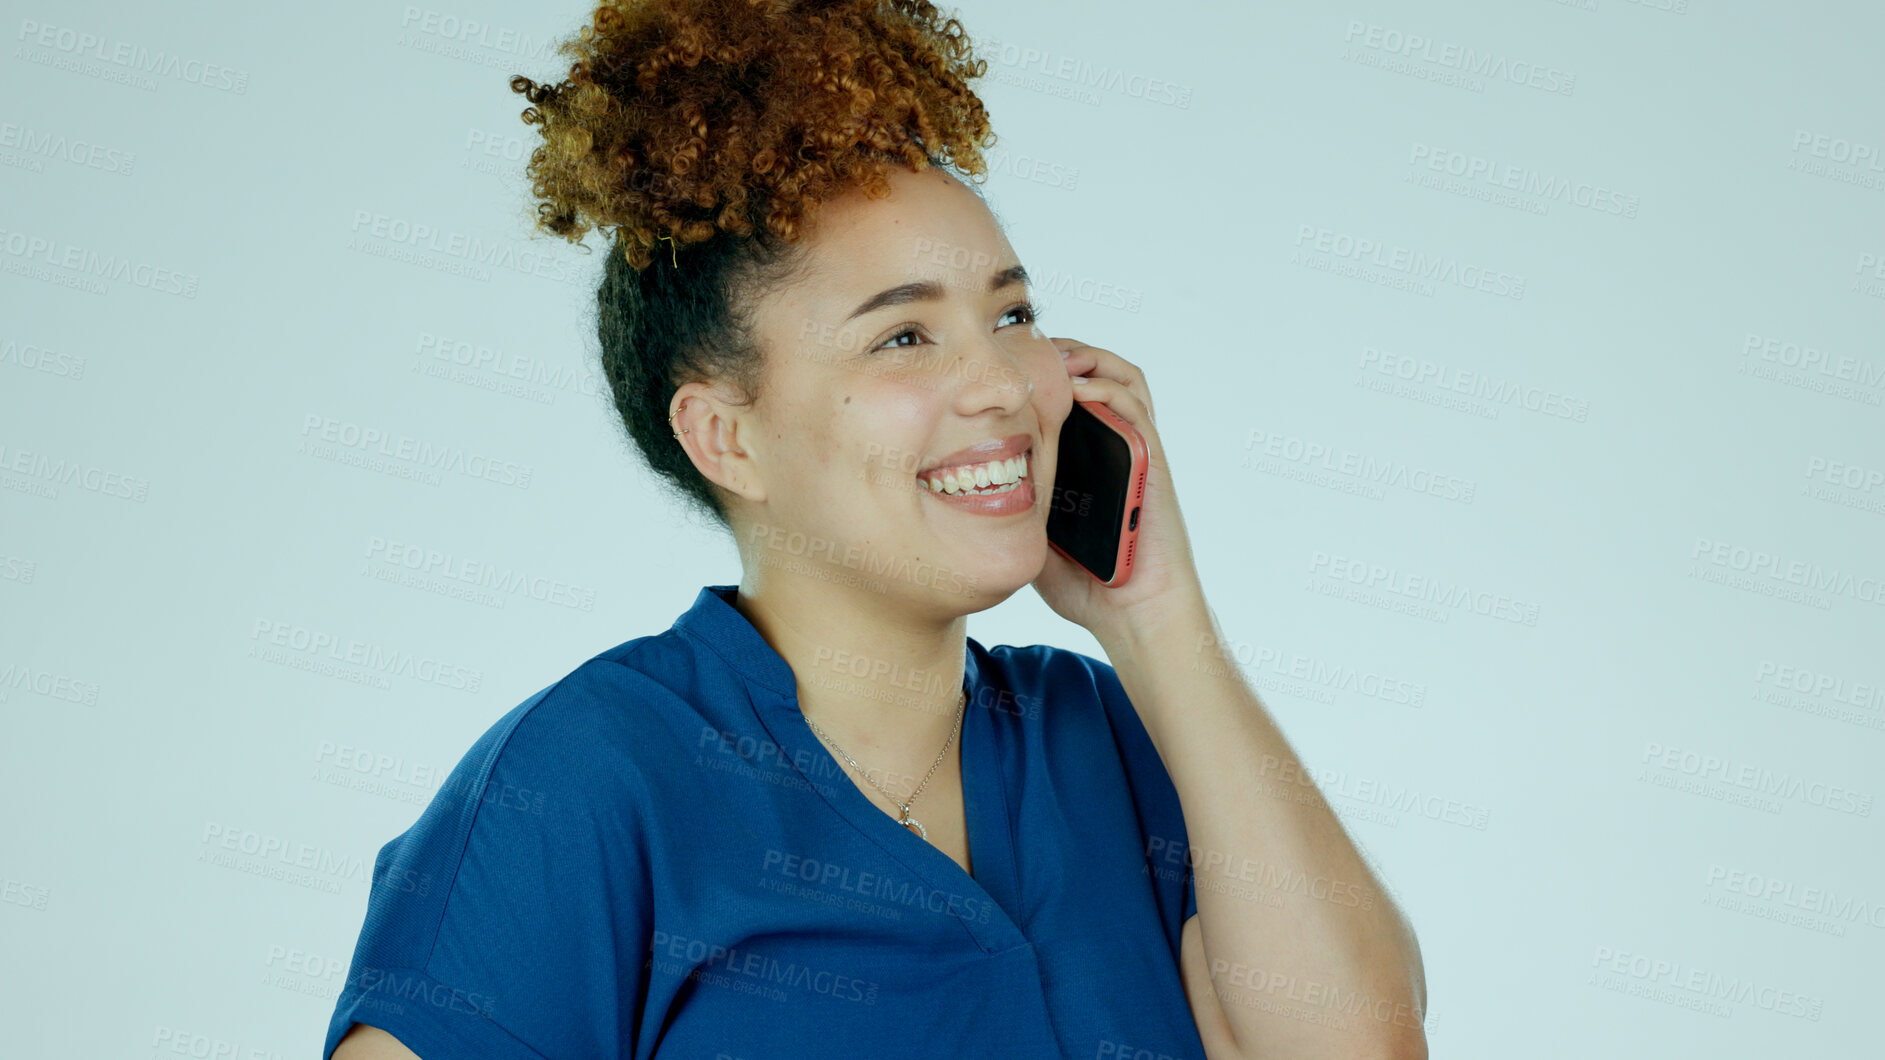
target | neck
x=882, y=678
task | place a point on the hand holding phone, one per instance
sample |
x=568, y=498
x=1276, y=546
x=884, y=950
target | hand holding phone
x=1099, y=484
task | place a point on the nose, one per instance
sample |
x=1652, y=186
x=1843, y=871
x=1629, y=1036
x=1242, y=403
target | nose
x=990, y=377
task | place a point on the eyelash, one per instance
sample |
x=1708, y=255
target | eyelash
x=1033, y=315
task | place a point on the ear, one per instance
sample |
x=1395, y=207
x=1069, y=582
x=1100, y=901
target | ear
x=716, y=434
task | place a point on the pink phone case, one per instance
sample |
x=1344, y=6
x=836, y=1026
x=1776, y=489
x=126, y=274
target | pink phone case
x=1129, y=523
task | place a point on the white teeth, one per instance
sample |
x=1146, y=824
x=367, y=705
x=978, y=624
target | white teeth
x=958, y=480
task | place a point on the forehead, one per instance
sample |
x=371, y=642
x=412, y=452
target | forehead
x=931, y=227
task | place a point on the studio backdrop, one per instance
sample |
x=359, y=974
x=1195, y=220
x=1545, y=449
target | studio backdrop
x=1521, y=366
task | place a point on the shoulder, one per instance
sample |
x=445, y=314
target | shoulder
x=1071, y=703
x=587, y=735
x=1045, y=680
x=1067, y=704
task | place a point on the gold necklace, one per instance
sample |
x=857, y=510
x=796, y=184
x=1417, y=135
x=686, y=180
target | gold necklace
x=906, y=820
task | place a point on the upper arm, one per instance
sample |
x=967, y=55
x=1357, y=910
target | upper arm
x=511, y=919
x=1206, y=1010
x=363, y=1042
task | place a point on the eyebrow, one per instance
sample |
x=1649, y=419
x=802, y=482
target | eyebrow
x=930, y=291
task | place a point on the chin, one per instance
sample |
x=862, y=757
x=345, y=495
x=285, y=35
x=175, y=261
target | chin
x=988, y=579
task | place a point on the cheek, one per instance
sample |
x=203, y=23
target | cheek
x=1053, y=394
x=886, y=425
x=888, y=404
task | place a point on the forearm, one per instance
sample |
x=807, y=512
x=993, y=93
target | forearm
x=1308, y=955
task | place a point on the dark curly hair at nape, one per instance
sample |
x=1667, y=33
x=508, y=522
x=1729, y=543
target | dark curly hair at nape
x=701, y=136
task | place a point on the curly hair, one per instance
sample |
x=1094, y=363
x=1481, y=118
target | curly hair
x=701, y=136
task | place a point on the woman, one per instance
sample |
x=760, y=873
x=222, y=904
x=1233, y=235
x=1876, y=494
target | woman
x=814, y=818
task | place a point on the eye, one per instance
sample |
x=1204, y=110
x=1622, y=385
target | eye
x=1029, y=314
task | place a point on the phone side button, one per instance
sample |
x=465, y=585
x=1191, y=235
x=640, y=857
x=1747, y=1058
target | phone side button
x=1133, y=523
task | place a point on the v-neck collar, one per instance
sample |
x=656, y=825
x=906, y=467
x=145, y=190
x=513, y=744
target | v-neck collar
x=986, y=815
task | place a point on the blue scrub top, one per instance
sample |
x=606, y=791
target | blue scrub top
x=656, y=857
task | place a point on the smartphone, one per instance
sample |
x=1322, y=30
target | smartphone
x=1099, y=483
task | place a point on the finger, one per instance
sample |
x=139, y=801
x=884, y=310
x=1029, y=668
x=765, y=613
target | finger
x=1094, y=362
x=1107, y=363
x=1110, y=365
x=1075, y=354
x=1118, y=397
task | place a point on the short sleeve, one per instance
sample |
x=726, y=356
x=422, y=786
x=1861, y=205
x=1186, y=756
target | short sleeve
x=512, y=919
x=1167, y=847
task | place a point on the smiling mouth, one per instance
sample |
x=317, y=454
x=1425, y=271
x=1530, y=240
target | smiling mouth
x=985, y=479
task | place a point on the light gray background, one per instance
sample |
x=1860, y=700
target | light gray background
x=1669, y=763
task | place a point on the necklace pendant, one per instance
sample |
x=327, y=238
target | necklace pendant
x=913, y=824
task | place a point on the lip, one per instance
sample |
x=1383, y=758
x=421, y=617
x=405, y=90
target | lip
x=982, y=452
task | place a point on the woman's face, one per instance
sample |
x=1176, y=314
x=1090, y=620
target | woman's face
x=873, y=389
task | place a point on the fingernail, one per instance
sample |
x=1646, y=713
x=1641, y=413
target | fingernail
x=1065, y=354
x=1079, y=378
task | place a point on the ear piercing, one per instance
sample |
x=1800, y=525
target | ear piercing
x=671, y=415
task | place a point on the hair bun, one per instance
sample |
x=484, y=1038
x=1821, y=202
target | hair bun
x=686, y=118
